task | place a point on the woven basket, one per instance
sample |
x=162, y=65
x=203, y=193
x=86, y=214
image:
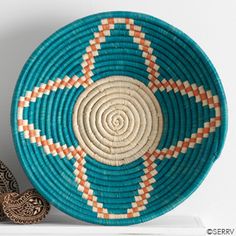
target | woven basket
x=118, y=117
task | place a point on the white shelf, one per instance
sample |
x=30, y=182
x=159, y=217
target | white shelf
x=65, y=225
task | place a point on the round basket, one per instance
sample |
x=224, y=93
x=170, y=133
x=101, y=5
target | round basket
x=118, y=117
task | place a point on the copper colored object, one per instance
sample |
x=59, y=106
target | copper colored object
x=8, y=184
x=26, y=208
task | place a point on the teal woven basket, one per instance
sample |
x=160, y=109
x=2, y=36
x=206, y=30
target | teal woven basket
x=118, y=117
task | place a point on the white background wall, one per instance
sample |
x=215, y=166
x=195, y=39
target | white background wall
x=211, y=23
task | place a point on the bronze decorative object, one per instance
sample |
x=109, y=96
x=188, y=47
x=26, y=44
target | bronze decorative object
x=8, y=184
x=26, y=208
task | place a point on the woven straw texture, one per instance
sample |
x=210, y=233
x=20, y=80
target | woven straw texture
x=118, y=117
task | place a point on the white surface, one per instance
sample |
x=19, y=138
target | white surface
x=64, y=225
x=211, y=23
